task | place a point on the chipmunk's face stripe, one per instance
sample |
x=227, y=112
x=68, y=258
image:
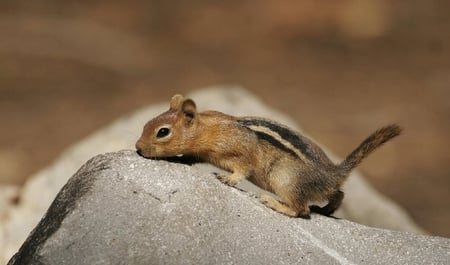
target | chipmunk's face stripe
x=283, y=135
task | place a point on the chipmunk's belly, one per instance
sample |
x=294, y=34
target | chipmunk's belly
x=260, y=183
x=261, y=175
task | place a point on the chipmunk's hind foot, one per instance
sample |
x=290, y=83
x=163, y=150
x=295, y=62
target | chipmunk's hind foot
x=334, y=201
x=283, y=208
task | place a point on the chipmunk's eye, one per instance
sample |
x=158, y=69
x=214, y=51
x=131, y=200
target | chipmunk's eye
x=162, y=132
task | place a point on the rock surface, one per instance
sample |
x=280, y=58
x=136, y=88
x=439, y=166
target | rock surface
x=362, y=203
x=120, y=208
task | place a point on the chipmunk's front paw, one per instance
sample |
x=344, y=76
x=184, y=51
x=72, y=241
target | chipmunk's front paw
x=226, y=179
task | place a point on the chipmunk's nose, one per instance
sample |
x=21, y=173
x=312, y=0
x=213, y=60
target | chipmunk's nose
x=139, y=152
x=138, y=146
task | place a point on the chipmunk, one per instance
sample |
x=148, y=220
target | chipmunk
x=269, y=154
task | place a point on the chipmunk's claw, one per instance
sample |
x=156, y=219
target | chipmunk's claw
x=226, y=179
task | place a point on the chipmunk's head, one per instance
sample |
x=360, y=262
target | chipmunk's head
x=171, y=133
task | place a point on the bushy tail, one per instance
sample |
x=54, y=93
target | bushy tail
x=367, y=146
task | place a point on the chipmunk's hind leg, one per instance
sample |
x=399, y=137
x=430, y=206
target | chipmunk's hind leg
x=289, y=209
x=334, y=201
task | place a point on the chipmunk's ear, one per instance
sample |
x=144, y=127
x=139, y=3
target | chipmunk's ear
x=189, y=109
x=184, y=105
x=176, y=102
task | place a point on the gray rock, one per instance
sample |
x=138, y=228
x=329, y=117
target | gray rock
x=362, y=203
x=120, y=208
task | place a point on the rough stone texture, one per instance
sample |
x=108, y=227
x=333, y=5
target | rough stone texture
x=362, y=203
x=120, y=208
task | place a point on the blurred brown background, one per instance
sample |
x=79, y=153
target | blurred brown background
x=340, y=68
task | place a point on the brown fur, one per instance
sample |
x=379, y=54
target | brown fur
x=267, y=153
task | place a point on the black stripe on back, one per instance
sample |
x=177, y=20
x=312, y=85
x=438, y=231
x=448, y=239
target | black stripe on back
x=284, y=133
x=274, y=142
